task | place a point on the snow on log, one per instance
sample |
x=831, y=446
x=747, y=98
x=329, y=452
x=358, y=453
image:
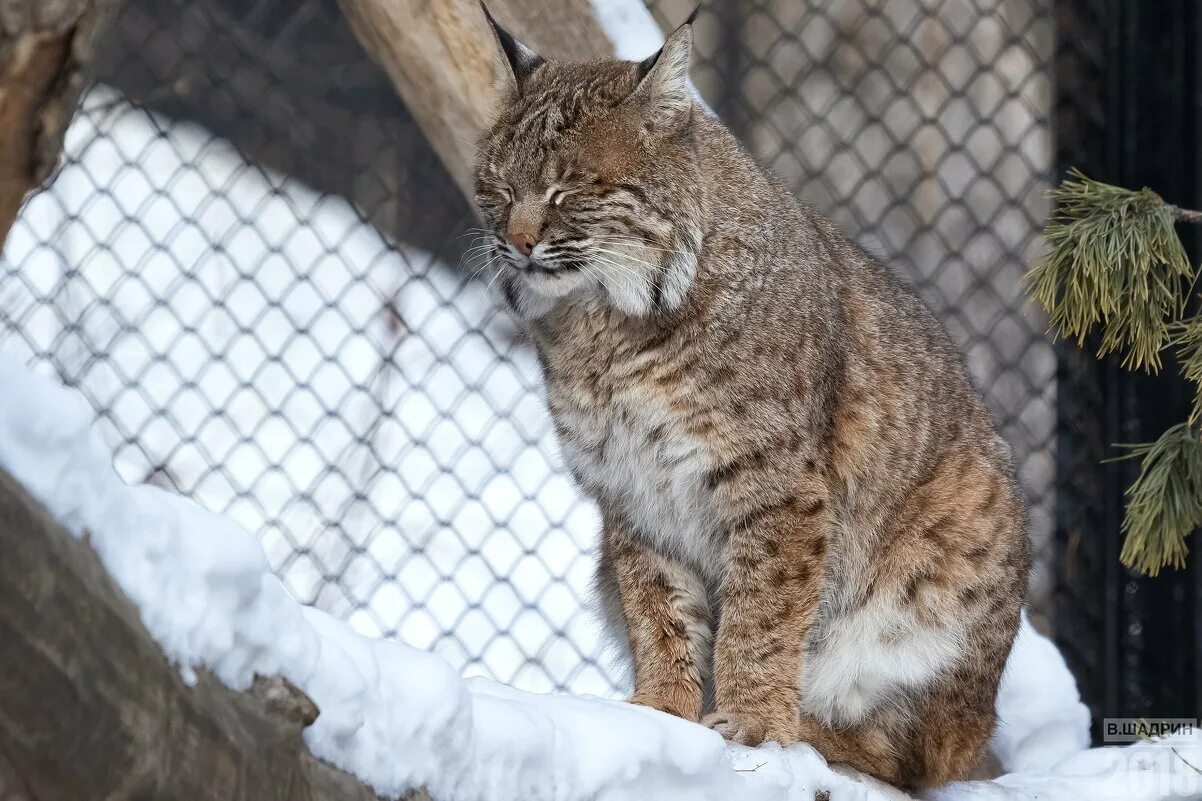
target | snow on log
x=91, y=708
x=86, y=699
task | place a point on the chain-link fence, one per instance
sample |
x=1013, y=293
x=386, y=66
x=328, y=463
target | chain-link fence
x=250, y=266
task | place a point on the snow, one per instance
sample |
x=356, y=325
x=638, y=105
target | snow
x=630, y=27
x=1042, y=718
x=400, y=717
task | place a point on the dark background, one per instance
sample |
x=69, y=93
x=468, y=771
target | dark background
x=1127, y=112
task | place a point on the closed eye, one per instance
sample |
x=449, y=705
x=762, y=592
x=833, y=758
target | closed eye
x=556, y=194
x=494, y=195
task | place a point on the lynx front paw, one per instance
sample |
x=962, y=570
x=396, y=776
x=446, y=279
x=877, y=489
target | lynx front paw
x=751, y=730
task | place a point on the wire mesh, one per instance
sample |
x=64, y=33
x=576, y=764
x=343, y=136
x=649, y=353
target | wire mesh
x=250, y=266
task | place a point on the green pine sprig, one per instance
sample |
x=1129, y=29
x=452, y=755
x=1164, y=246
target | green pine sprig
x=1187, y=337
x=1115, y=265
x=1113, y=261
x=1165, y=503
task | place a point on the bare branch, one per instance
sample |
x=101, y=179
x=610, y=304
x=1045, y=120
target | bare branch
x=1185, y=215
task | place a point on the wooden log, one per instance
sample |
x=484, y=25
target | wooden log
x=45, y=47
x=439, y=56
x=90, y=708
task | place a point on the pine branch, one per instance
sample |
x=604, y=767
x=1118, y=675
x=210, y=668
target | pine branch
x=1113, y=261
x=1165, y=503
x=1187, y=336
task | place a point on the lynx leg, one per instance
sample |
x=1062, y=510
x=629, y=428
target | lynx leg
x=667, y=622
x=775, y=566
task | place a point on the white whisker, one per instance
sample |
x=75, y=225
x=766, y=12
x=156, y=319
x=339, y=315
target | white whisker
x=627, y=256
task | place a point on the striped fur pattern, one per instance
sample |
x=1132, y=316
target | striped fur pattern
x=811, y=530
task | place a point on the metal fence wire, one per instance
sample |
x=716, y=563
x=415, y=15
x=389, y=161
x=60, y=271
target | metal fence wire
x=250, y=264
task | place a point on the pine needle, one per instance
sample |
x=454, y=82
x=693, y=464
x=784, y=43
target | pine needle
x=1187, y=336
x=1113, y=261
x=1165, y=503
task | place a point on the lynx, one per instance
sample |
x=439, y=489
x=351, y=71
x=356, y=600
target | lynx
x=811, y=529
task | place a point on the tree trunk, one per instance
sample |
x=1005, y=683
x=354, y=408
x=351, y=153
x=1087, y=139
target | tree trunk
x=44, y=47
x=90, y=707
x=439, y=55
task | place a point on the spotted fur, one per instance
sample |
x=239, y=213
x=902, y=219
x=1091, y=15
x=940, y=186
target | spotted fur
x=811, y=530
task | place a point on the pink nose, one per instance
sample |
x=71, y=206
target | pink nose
x=523, y=241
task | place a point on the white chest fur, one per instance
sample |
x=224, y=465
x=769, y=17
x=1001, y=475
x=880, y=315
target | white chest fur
x=633, y=457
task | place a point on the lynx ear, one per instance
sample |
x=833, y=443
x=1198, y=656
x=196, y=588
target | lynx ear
x=514, y=61
x=664, y=79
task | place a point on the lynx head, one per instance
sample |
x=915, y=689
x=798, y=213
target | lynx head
x=589, y=182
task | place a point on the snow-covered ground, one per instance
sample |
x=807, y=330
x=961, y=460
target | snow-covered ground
x=399, y=717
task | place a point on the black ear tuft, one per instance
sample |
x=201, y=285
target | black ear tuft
x=693, y=17
x=520, y=59
x=646, y=64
